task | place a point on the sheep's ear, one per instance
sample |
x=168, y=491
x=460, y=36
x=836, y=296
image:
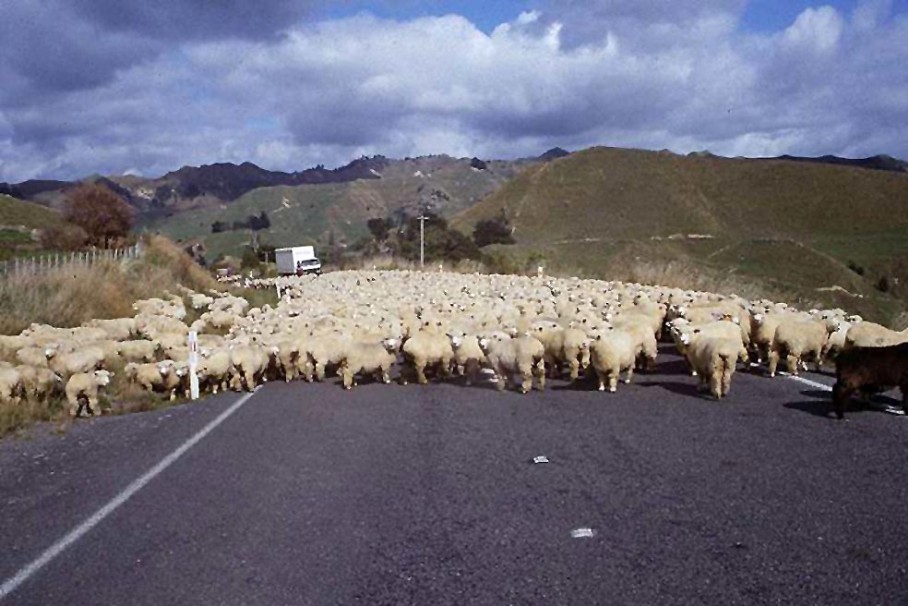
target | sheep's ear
x=696, y=331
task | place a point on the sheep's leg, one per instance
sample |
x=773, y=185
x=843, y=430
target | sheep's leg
x=501, y=378
x=715, y=384
x=613, y=381
x=792, y=361
x=540, y=373
x=249, y=379
x=446, y=364
x=93, y=406
x=386, y=374
x=421, y=372
x=526, y=377
x=629, y=375
x=469, y=371
x=773, y=362
x=347, y=377
x=726, y=380
x=819, y=360
x=305, y=370
x=840, y=396
x=575, y=369
x=319, y=370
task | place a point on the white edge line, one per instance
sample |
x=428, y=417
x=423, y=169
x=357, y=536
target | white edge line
x=10, y=585
x=807, y=382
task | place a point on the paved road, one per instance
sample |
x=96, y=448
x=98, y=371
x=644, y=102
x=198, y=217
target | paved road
x=307, y=494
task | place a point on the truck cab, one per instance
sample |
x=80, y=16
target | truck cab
x=297, y=260
x=309, y=266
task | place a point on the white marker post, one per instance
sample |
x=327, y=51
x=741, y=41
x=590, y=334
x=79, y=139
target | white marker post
x=193, y=365
x=278, y=286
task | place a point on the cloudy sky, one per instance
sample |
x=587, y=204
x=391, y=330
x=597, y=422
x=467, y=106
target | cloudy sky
x=117, y=86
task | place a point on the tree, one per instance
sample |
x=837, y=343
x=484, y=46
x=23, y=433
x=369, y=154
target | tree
x=493, y=231
x=100, y=212
x=379, y=228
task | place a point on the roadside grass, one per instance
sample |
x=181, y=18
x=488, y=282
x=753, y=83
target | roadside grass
x=73, y=294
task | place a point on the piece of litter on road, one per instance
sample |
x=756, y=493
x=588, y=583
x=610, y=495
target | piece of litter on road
x=583, y=533
x=540, y=459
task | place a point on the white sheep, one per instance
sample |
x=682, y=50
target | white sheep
x=39, y=383
x=164, y=376
x=611, y=353
x=82, y=389
x=250, y=362
x=368, y=358
x=118, y=329
x=325, y=350
x=80, y=361
x=428, y=348
x=35, y=356
x=524, y=355
x=569, y=346
x=214, y=370
x=468, y=356
x=714, y=359
x=870, y=334
x=139, y=350
x=798, y=340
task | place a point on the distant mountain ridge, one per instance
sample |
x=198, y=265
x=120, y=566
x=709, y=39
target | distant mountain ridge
x=226, y=182
x=878, y=162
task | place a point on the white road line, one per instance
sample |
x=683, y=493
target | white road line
x=807, y=382
x=10, y=585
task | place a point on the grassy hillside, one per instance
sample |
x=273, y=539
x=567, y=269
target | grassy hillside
x=777, y=227
x=17, y=220
x=308, y=214
x=17, y=213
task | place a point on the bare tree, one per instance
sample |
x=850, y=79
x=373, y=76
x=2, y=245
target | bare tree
x=100, y=212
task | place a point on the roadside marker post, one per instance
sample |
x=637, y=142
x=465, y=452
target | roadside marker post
x=193, y=365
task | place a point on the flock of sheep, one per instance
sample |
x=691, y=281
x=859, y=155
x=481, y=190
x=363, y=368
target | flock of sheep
x=369, y=323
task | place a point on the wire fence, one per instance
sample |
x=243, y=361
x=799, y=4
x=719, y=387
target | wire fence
x=22, y=266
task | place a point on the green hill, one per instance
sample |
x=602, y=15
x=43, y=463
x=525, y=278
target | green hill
x=784, y=228
x=20, y=214
x=17, y=221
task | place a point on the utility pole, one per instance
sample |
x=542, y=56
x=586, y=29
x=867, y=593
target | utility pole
x=422, y=239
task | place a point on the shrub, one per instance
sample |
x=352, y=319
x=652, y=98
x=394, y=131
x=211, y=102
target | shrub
x=493, y=231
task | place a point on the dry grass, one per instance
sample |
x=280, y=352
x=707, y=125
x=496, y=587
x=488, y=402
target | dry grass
x=72, y=295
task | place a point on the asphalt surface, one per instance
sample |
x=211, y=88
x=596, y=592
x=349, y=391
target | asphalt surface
x=308, y=494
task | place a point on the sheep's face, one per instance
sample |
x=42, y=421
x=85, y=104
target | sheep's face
x=102, y=377
x=685, y=338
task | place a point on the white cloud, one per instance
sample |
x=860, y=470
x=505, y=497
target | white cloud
x=681, y=76
x=815, y=30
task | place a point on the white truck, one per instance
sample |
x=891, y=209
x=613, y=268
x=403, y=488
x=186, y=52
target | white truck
x=297, y=260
